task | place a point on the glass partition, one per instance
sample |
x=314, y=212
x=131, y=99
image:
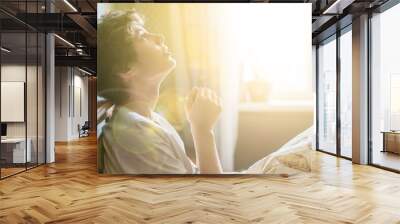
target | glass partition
x=346, y=93
x=385, y=89
x=327, y=96
x=22, y=88
x=15, y=149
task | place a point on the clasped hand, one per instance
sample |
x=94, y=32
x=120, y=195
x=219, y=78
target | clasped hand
x=202, y=108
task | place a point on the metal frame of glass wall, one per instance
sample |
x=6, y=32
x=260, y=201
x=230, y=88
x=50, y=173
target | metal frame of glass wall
x=337, y=38
x=32, y=45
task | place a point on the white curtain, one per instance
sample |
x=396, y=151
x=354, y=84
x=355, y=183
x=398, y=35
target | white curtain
x=206, y=51
x=231, y=54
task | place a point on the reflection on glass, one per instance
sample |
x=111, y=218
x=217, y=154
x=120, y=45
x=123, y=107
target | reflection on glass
x=41, y=99
x=395, y=101
x=31, y=101
x=386, y=89
x=346, y=94
x=327, y=96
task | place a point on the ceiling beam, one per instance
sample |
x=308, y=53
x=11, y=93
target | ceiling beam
x=84, y=24
x=337, y=6
x=81, y=61
x=320, y=22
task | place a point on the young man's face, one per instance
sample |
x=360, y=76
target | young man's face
x=153, y=56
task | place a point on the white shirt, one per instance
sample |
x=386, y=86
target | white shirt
x=134, y=144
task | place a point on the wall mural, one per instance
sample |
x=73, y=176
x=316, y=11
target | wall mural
x=204, y=88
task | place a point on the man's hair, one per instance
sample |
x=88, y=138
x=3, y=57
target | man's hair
x=115, y=53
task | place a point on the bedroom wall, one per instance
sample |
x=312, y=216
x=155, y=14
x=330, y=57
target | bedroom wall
x=264, y=131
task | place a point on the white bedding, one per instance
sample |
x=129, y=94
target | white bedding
x=293, y=157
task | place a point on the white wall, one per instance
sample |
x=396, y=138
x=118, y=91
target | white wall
x=61, y=103
x=70, y=83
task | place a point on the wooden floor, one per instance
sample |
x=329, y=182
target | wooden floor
x=5, y=172
x=8, y=171
x=70, y=191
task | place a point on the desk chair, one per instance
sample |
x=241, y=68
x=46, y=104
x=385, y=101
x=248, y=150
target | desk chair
x=84, y=130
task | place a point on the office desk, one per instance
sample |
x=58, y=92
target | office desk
x=391, y=141
x=13, y=150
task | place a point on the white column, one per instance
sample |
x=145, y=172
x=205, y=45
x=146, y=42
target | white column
x=50, y=92
x=50, y=108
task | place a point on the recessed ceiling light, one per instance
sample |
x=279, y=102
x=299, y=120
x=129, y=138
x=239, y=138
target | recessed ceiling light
x=5, y=50
x=70, y=5
x=64, y=40
x=84, y=71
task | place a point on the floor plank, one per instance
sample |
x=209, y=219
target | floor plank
x=70, y=191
